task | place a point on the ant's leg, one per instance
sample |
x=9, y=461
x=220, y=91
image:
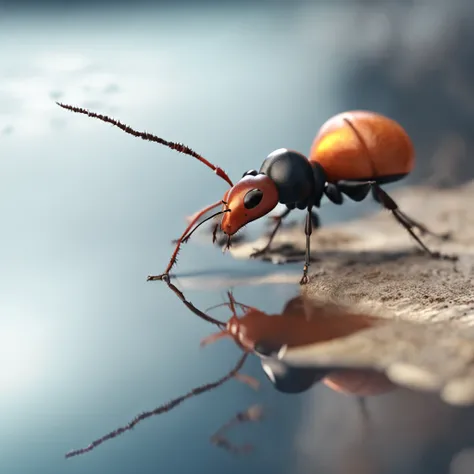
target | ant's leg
x=422, y=228
x=279, y=220
x=413, y=223
x=252, y=382
x=365, y=415
x=333, y=193
x=364, y=411
x=219, y=439
x=308, y=230
x=387, y=202
x=165, y=276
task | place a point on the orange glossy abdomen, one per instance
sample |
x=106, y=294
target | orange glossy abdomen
x=362, y=145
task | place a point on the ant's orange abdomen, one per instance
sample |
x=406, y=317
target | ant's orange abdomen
x=362, y=383
x=362, y=145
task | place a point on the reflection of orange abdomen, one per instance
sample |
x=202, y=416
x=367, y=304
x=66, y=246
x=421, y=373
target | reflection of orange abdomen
x=362, y=145
x=359, y=382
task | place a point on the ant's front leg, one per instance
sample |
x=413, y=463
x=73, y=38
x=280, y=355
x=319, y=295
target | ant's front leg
x=182, y=239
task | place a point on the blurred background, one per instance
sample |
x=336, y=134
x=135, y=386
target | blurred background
x=88, y=212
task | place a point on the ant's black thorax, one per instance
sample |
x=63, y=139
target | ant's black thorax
x=299, y=183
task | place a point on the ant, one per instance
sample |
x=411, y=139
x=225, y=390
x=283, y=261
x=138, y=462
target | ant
x=301, y=322
x=354, y=153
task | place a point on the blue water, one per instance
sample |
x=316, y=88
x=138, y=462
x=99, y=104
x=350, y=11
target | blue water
x=88, y=212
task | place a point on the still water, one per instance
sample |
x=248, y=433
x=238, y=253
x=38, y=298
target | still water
x=88, y=212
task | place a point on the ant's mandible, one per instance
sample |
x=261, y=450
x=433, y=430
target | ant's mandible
x=354, y=153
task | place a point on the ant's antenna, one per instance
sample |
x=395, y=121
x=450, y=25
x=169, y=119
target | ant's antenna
x=179, y=147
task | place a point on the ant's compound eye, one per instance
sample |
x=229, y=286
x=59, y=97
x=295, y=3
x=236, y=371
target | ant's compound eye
x=252, y=198
x=250, y=173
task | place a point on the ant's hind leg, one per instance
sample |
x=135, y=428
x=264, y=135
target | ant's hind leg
x=412, y=222
x=279, y=220
x=423, y=229
x=386, y=201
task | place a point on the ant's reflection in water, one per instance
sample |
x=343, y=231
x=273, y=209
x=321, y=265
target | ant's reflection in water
x=301, y=322
x=389, y=422
x=416, y=432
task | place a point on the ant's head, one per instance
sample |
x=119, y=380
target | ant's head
x=251, y=198
x=244, y=329
x=233, y=329
x=248, y=328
